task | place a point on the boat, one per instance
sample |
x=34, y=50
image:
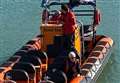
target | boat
x=38, y=60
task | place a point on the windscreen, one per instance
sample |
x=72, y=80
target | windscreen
x=47, y=2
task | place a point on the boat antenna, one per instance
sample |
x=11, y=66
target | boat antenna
x=94, y=31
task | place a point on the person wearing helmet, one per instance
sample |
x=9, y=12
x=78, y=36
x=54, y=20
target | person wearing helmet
x=74, y=66
x=67, y=64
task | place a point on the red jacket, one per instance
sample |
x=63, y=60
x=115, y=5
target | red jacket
x=69, y=23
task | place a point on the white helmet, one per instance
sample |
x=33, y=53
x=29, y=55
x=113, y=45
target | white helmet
x=72, y=54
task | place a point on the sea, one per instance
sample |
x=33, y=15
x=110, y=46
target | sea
x=20, y=21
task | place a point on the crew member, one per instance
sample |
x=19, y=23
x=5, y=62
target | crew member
x=73, y=66
x=69, y=64
x=69, y=25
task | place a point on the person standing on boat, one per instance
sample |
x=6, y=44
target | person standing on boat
x=69, y=24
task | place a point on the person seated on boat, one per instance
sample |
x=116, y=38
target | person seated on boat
x=73, y=66
x=55, y=18
x=69, y=64
x=69, y=24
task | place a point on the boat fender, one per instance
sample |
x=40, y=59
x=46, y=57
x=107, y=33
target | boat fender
x=96, y=55
x=86, y=80
x=100, y=48
x=99, y=60
x=89, y=70
x=104, y=43
x=97, y=17
x=108, y=40
x=104, y=49
x=93, y=67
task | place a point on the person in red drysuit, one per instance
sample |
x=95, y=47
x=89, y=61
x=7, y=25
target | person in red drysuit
x=69, y=25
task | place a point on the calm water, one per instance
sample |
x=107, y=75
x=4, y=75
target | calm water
x=20, y=21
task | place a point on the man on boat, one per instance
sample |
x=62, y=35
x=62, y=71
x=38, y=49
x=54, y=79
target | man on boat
x=73, y=66
x=69, y=24
x=67, y=64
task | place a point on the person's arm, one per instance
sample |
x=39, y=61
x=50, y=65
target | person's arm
x=78, y=67
x=72, y=19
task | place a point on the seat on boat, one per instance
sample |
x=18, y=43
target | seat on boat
x=36, y=62
x=14, y=59
x=4, y=68
x=7, y=66
x=31, y=59
x=56, y=76
x=31, y=42
x=29, y=68
x=42, y=56
x=17, y=75
x=21, y=53
x=27, y=47
x=35, y=44
x=59, y=63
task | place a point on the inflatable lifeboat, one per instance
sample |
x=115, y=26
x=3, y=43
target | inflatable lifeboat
x=43, y=59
